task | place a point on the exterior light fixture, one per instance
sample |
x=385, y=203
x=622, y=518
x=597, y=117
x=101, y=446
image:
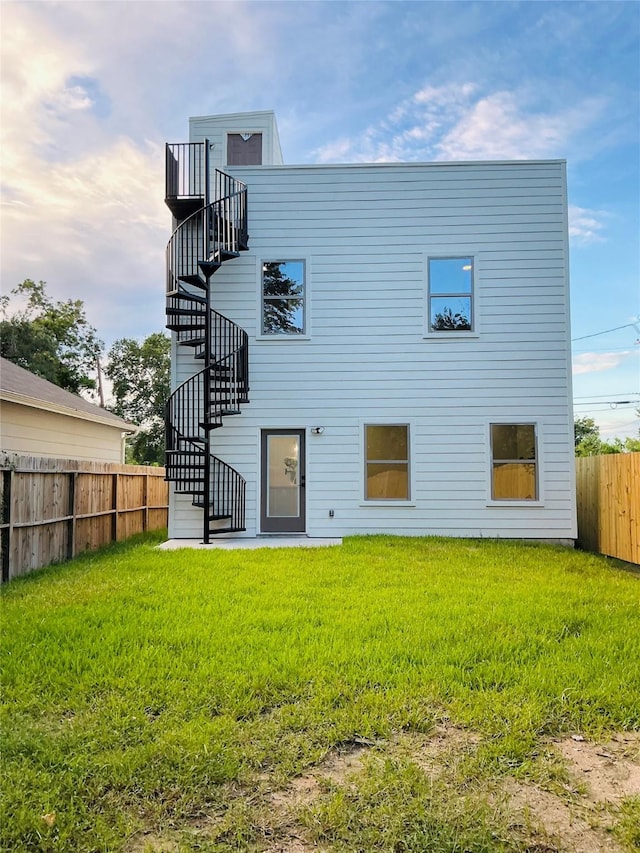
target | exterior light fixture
x=317, y=430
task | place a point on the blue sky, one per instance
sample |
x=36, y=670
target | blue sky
x=91, y=91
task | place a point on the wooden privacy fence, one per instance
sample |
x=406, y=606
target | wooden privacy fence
x=608, y=499
x=53, y=509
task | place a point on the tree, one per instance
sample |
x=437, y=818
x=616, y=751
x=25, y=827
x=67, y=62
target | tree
x=585, y=428
x=588, y=441
x=140, y=374
x=51, y=339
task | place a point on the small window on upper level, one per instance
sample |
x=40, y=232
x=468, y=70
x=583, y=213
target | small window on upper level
x=283, y=298
x=514, y=462
x=244, y=149
x=451, y=295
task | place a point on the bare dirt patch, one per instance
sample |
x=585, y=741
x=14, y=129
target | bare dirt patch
x=568, y=827
x=576, y=818
x=305, y=789
x=341, y=766
x=601, y=776
x=338, y=768
x=610, y=771
x=445, y=746
x=149, y=842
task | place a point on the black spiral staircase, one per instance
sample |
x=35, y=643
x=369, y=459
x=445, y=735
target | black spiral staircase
x=211, y=229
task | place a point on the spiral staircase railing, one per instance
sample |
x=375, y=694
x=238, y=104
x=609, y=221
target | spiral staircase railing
x=209, y=233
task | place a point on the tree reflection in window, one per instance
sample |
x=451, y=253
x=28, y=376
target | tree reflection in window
x=447, y=321
x=283, y=296
x=451, y=294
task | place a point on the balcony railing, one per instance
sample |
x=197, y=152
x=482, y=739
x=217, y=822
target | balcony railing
x=185, y=163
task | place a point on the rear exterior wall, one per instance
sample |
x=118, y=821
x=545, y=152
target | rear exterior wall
x=365, y=234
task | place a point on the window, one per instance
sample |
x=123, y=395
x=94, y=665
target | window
x=244, y=149
x=386, y=462
x=283, y=297
x=451, y=294
x=514, y=465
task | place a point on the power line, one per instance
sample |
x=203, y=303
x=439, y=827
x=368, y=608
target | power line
x=620, y=426
x=606, y=331
x=606, y=402
x=586, y=349
x=632, y=400
x=597, y=396
x=614, y=407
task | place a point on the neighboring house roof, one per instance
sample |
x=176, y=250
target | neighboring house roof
x=18, y=385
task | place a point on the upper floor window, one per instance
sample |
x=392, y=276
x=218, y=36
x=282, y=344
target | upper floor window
x=244, y=149
x=514, y=462
x=451, y=295
x=283, y=298
x=386, y=452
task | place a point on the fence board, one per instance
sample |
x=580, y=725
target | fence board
x=93, y=494
x=56, y=508
x=92, y=533
x=608, y=499
x=131, y=492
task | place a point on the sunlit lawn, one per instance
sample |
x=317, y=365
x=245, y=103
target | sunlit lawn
x=142, y=689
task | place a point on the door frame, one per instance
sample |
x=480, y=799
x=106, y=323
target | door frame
x=297, y=524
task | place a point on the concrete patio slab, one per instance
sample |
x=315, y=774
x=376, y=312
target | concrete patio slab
x=257, y=542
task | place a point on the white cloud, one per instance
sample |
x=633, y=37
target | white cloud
x=585, y=225
x=85, y=86
x=500, y=126
x=595, y=362
x=82, y=208
x=71, y=98
x=458, y=122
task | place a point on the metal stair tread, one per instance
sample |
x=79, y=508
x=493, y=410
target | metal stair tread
x=193, y=279
x=177, y=311
x=185, y=327
x=187, y=295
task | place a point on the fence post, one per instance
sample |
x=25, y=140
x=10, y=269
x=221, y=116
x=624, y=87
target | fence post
x=7, y=538
x=71, y=527
x=145, y=501
x=114, y=507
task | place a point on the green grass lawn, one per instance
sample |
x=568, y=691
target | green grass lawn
x=171, y=690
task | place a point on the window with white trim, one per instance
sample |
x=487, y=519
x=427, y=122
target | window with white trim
x=386, y=452
x=283, y=298
x=514, y=462
x=451, y=294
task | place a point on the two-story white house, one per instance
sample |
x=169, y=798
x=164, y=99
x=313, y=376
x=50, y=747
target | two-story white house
x=369, y=348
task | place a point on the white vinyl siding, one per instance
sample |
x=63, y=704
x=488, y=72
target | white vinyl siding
x=366, y=232
x=37, y=432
